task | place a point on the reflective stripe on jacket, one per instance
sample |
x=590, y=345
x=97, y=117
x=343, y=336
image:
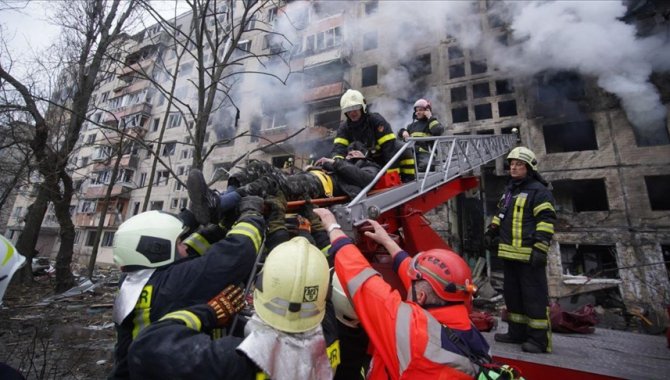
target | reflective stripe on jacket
x=525, y=218
x=408, y=341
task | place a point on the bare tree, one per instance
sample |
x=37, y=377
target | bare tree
x=210, y=53
x=89, y=28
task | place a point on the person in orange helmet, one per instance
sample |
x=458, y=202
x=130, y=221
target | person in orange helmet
x=427, y=336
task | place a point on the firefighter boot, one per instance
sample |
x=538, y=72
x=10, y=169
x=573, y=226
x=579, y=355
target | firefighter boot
x=532, y=348
x=204, y=201
x=507, y=338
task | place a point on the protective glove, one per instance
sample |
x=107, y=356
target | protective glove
x=190, y=222
x=226, y=304
x=199, y=242
x=277, y=216
x=491, y=238
x=308, y=212
x=538, y=258
x=251, y=205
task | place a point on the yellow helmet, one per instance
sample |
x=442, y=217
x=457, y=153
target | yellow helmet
x=291, y=289
x=523, y=154
x=344, y=310
x=352, y=100
x=147, y=240
x=10, y=262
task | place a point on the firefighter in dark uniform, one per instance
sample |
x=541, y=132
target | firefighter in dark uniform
x=373, y=131
x=284, y=339
x=159, y=276
x=524, y=225
x=425, y=124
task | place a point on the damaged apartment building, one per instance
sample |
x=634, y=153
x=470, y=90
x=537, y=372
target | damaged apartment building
x=609, y=177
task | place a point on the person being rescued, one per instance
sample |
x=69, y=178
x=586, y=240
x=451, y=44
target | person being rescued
x=328, y=178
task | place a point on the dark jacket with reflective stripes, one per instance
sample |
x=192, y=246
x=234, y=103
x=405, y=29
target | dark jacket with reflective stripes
x=424, y=128
x=525, y=219
x=179, y=346
x=191, y=281
x=408, y=341
x=373, y=131
x=351, y=176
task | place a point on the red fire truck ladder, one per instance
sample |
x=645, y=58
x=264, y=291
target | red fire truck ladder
x=452, y=162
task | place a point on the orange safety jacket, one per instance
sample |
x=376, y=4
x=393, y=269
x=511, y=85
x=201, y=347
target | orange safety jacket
x=408, y=341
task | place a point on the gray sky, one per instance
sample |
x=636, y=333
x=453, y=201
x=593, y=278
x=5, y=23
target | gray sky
x=27, y=30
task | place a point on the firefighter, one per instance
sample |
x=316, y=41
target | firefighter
x=407, y=336
x=524, y=226
x=329, y=178
x=424, y=124
x=284, y=338
x=160, y=277
x=373, y=131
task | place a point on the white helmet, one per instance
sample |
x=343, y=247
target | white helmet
x=524, y=154
x=344, y=310
x=291, y=289
x=10, y=262
x=352, y=100
x=147, y=240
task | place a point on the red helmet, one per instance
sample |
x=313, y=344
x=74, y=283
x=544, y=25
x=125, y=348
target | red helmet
x=423, y=103
x=446, y=272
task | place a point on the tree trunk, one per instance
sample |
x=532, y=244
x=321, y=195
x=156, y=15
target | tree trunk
x=103, y=212
x=64, y=277
x=31, y=230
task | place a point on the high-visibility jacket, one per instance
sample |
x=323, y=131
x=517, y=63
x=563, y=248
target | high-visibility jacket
x=190, y=281
x=424, y=128
x=408, y=342
x=376, y=134
x=525, y=219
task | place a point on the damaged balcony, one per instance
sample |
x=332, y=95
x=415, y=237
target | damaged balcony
x=325, y=92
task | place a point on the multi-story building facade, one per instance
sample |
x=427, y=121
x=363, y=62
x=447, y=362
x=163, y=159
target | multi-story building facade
x=609, y=181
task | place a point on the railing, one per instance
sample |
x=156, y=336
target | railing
x=450, y=158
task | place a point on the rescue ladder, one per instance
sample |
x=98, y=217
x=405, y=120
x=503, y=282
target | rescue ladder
x=450, y=158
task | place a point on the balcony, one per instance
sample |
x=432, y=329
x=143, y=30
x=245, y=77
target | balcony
x=112, y=219
x=128, y=161
x=124, y=88
x=333, y=90
x=99, y=191
x=121, y=112
x=336, y=53
x=301, y=143
x=138, y=67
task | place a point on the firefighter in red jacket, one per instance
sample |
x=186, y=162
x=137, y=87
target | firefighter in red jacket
x=410, y=339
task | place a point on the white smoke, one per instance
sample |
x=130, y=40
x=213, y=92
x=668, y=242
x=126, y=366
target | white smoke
x=587, y=37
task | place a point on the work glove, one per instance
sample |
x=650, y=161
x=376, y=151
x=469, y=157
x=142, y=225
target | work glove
x=199, y=242
x=226, y=304
x=491, y=238
x=277, y=216
x=538, y=259
x=190, y=222
x=251, y=205
x=307, y=211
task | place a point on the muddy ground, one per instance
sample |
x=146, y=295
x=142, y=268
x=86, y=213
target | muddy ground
x=48, y=337
x=71, y=336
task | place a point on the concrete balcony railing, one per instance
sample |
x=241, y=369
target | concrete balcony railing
x=128, y=161
x=337, y=53
x=121, y=112
x=112, y=219
x=324, y=92
x=99, y=191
